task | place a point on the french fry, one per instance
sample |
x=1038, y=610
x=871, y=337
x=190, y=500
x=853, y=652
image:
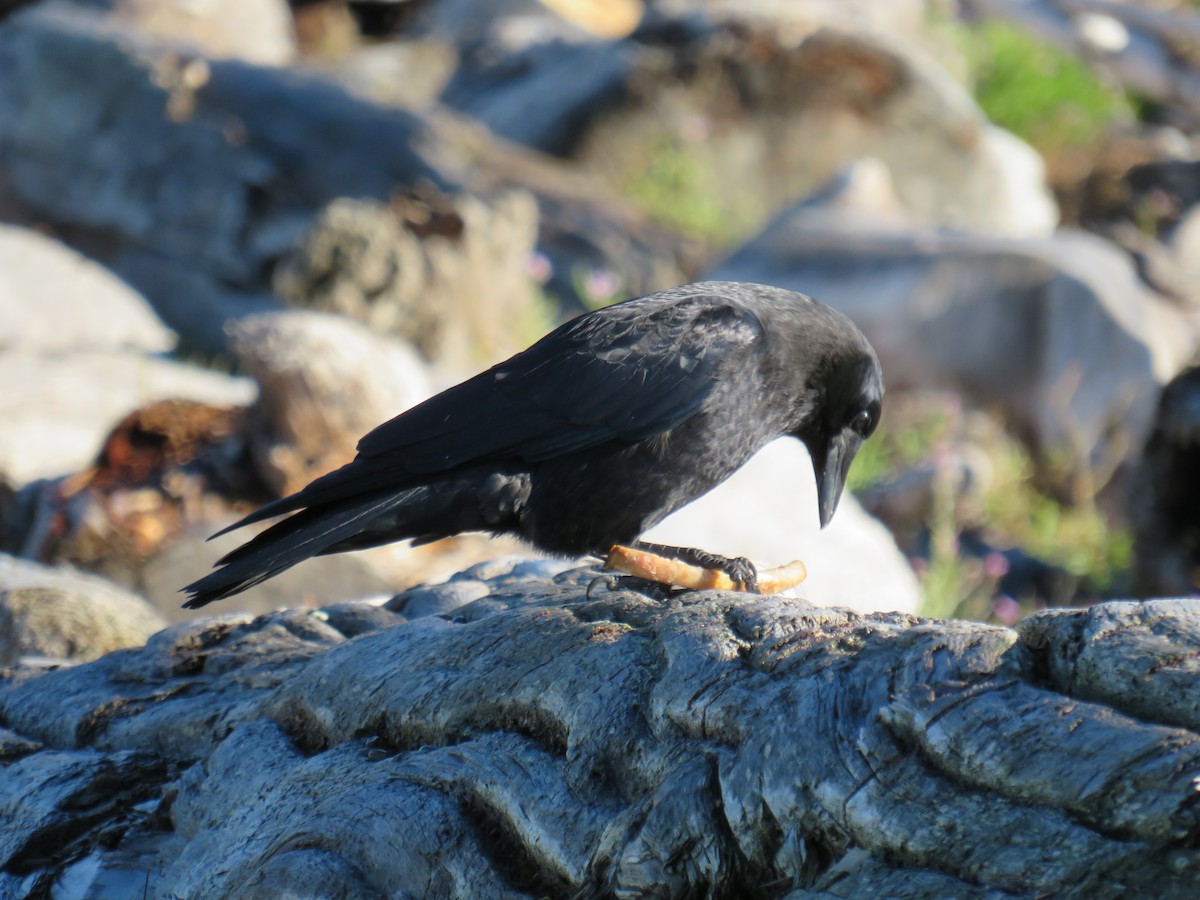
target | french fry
x=665, y=570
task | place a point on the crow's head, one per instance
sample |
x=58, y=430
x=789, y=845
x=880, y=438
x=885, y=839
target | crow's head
x=847, y=398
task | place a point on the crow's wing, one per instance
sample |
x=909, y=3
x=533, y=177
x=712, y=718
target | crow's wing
x=627, y=372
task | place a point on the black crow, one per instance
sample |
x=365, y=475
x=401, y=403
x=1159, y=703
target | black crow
x=594, y=434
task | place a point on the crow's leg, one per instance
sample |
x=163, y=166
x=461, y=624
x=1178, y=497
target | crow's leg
x=740, y=570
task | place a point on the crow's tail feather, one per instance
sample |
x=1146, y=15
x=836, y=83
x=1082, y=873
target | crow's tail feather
x=295, y=539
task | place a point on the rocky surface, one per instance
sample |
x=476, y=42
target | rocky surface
x=534, y=728
x=555, y=735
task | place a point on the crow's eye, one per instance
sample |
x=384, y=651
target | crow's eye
x=862, y=423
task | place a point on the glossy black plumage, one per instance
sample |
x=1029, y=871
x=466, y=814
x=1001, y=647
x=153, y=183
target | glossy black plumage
x=593, y=434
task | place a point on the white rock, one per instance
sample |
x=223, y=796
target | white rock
x=258, y=31
x=768, y=512
x=53, y=299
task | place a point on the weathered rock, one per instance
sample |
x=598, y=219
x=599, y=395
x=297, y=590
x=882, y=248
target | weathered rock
x=324, y=381
x=552, y=738
x=1058, y=333
x=766, y=512
x=66, y=615
x=452, y=278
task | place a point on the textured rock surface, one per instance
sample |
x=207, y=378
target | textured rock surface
x=549, y=738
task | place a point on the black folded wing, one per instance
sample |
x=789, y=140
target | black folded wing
x=627, y=372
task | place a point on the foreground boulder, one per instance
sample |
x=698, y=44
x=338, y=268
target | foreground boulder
x=568, y=735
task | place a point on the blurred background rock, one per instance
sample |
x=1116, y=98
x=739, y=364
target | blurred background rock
x=238, y=235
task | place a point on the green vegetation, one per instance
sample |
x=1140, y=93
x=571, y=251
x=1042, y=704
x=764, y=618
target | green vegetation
x=1009, y=510
x=1050, y=98
x=679, y=187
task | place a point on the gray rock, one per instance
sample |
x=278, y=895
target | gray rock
x=63, y=614
x=437, y=599
x=619, y=745
x=355, y=617
x=42, y=796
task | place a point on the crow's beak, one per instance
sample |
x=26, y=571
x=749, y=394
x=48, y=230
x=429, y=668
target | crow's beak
x=830, y=464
